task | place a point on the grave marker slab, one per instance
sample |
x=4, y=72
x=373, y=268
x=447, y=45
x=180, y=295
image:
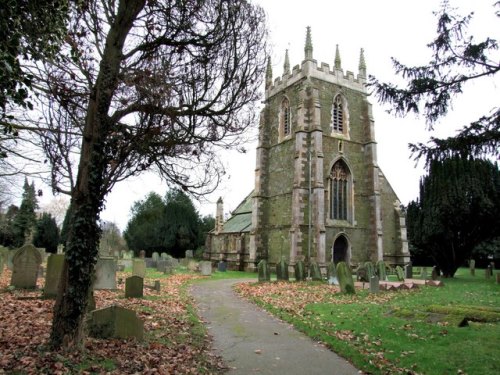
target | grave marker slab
x=55, y=264
x=222, y=266
x=115, y=322
x=374, y=284
x=26, y=261
x=345, y=278
x=300, y=271
x=206, y=268
x=105, y=274
x=282, y=270
x=315, y=272
x=263, y=271
x=139, y=267
x=134, y=287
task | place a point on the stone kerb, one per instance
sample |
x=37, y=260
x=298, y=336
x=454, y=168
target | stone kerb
x=115, y=322
x=134, y=287
x=55, y=263
x=26, y=262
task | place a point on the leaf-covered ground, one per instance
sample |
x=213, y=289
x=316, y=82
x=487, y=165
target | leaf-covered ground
x=175, y=342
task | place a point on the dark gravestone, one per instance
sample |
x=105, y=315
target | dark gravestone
x=370, y=271
x=315, y=272
x=382, y=275
x=150, y=262
x=26, y=261
x=434, y=273
x=345, y=278
x=222, y=266
x=409, y=271
x=282, y=270
x=300, y=271
x=134, y=287
x=142, y=254
x=55, y=264
x=263, y=271
x=115, y=322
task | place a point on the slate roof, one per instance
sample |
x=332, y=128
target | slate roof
x=241, y=218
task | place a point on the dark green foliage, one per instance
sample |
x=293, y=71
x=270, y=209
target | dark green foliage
x=345, y=278
x=25, y=220
x=457, y=59
x=65, y=226
x=457, y=210
x=7, y=236
x=47, y=233
x=145, y=230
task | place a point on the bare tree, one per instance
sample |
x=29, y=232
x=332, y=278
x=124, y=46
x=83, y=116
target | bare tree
x=142, y=84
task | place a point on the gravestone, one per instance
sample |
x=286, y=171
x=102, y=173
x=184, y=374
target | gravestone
x=331, y=274
x=55, y=264
x=222, y=266
x=150, y=263
x=300, y=271
x=488, y=272
x=134, y=287
x=189, y=254
x=423, y=273
x=362, y=274
x=282, y=270
x=161, y=265
x=206, y=268
x=142, y=254
x=105, y=274
x=25, y=263
x=157, y=286
x=155, y=256
x=434, y=273
x=374, y=284
x=409, y=271
x=382, y=275
x=400, y=273
x=315, y=271
x=10, y=255
x=115, y=322
x=345, y=278
x=370, y=271
x=139, y=268
x=263, y=271
x=164, y=256
x=193, y=265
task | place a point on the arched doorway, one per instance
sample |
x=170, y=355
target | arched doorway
x=340, y=250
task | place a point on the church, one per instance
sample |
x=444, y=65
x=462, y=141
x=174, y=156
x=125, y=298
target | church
x=319, y=193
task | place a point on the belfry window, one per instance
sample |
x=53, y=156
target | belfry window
x=285, y=118
x=339, y=192
x=338, y=115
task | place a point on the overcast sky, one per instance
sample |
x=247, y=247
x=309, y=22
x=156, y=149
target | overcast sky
x=385, y=29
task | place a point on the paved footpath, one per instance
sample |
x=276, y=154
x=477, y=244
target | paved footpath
x=251, y=341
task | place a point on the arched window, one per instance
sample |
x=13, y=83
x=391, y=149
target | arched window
x=338, y=115
x=285, y=118
x=339, y=191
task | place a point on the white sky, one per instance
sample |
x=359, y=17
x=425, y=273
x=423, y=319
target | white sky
x=384, y=28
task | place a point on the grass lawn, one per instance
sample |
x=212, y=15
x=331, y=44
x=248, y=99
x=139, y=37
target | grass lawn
x=407, y=332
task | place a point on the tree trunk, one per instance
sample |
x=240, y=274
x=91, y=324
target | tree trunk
x=88, y=197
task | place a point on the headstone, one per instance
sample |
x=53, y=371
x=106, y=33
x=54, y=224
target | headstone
x=409, y=271
x=134, y=287
x=423, y=273
x=370, y=271
x=315, y=271
x=55, y=264
x=331, y=274
x=115, y=322
x=282, y=270
x=150, y=262
x=164, y=256
x=139, y=268
x=345, y=278
x=263, y=271
x=189, y=254
x=105, y=274
x=9, y=263
x=374, y=284
x=142, y=254
x=157, y=286
x=26, y=261
x=155, y=256
x=222, y=266
x=434, y=273
x=400, y=273
x=206, y=268
x=362, y=274
x=488, y=272
x=300, y=271
x=193, y=265
x=161, y=265
x=382, y=275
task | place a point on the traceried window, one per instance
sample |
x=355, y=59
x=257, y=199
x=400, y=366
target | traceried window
x=339, y=191
x=338, y=115
x=285, y=120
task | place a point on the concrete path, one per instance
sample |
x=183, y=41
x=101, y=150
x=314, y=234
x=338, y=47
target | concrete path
x=251, y=341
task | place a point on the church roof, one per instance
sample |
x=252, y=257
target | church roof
x=241, y=218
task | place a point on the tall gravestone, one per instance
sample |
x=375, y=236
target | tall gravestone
x=134, y=287
x=282, y=270
x=423, y=273
x=25, y=263
x=155, y=256
x=370, y=271
x=374, y=284
x=105, y=274
x=206, y=268
x=331, y=274
x=472, y=267
x=315, y=272
x=409, y=271
x=55, y=263
x=382, y=275
x=300, y=271
x=345, y=278
x=263, y=271
x=139, y=268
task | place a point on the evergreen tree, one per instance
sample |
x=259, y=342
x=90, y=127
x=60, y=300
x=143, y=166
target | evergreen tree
x=457, y=210
x=47, y=233
x=25, y=220
x=144, y=231
x=7, y=236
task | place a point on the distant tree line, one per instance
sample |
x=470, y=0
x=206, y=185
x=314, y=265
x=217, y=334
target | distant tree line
x=170, y=225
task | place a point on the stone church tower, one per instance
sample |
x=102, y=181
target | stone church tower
x=319, y=192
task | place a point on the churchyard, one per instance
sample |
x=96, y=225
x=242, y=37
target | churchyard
x=144, y=320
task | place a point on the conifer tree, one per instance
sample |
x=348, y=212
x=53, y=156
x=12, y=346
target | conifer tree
x=25, y=220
